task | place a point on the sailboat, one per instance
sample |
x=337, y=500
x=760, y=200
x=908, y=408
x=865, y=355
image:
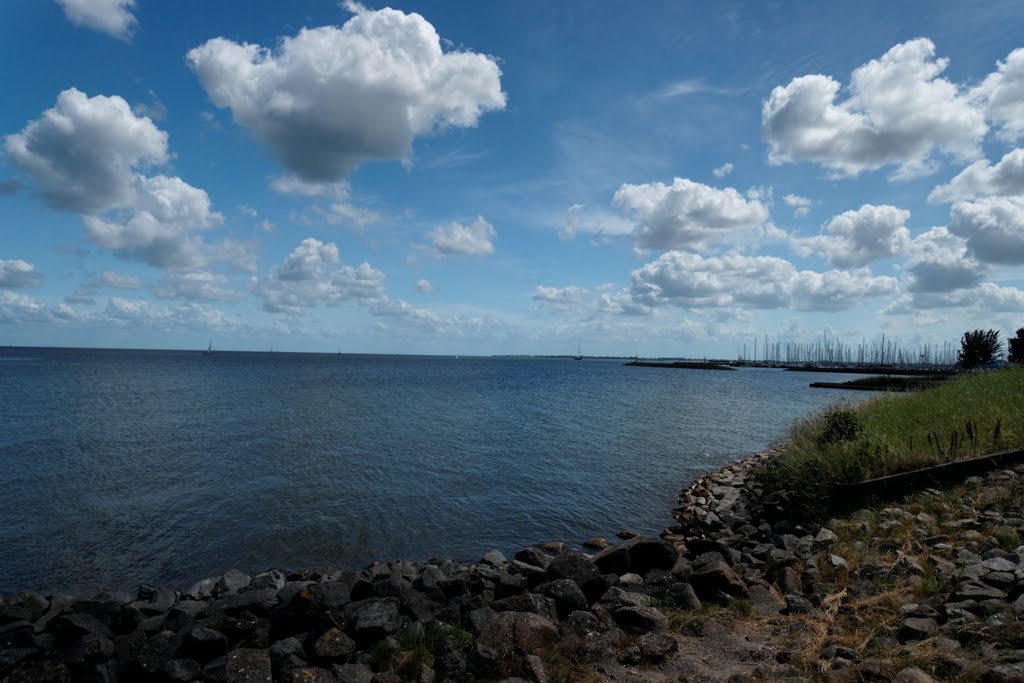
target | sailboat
x=209, y=349
x=579, y=352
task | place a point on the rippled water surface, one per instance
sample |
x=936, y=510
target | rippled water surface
x=163, y=467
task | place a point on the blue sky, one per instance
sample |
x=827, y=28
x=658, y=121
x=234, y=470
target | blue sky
x=659, y=179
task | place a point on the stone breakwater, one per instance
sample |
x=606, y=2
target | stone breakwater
x=455, y=621
x=736, y=590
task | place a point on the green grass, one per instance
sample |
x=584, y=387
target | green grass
x=965, y=417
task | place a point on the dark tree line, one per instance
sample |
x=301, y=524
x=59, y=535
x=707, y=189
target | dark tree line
x=981, y=347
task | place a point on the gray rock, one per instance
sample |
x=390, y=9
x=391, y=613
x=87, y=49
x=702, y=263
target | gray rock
x=640, y=619
x=495, y=559
x=271, y=579
x=797, y=604
x=216, y=670
x=334, y=644
x=684, y=597
x=203, y=644
x=324, y=597
x=763, y=600
x=154, y=600
x=232, y=582
x=352, y=673
x=567, y=596
x=182, y=670
x=977, y=591
x=89, y=648
x=789, y=581
x=1004, y=673
x=479, y=618
x=916, y=628
x=249, y=666
x=528, y=602
x=825, y=537
x=287, y=653
x=72, y=625
x=656, y=646
x=999, y=564
x=1000, y=580
x=909, y=565
x=912, y=675
x=375, y=618
x=309, y=674
x=837, y=562
x=158, y=650
x=534, y=556
x=258, y=601
x=638, y=555
x=573, y=565
x=716, y=579
x=523, y=631
x=579, y=624
x=201, y=590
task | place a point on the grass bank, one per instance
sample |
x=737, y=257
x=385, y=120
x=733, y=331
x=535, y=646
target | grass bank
x=965, y=417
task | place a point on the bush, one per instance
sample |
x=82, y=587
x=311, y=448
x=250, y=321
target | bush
x=979, y=348
x=1016, y=347
x=839, y=426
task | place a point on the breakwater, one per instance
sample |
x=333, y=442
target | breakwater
x=740, y=585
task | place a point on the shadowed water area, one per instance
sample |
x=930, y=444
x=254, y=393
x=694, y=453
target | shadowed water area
x=162, y=467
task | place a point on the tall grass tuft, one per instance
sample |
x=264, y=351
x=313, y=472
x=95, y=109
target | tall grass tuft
x=966, y=417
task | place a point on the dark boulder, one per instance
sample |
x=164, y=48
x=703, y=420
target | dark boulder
x=249, y=666
x=638, y=556
x=202, y=644
x=573, y=565
x=717, y=579
x=567, y=596
x=182, y=670
x=334, y=645
x=158, y=650
x=640, y=619
x=372, y=619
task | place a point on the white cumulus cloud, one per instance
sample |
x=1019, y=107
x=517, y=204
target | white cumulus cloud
x=196, y=286
x=760, y=282
x=1003, y=95
x=308, y=277
x=16, y=307
x=938, y=261
x=686, y=214
x=993, y=228
x=856, y=238
x=84, y=152
x=330, y=98
x=456, y=239
x=90, y=155
x=107, y=16
x=17, y=273
x=801, y=205
x=559, y=297
x=899, y=111
x=110, y=278
x=723, y=170
x=981, y=178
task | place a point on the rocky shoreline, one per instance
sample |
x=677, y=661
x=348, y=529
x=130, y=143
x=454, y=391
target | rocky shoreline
x=736, y=590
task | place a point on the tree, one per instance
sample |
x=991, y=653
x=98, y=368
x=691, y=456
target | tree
x=979, y=347
x=1016, y=347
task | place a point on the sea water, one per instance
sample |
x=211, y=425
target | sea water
x=123, y=467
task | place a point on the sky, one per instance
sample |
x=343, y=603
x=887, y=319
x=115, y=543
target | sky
x=654, y=179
